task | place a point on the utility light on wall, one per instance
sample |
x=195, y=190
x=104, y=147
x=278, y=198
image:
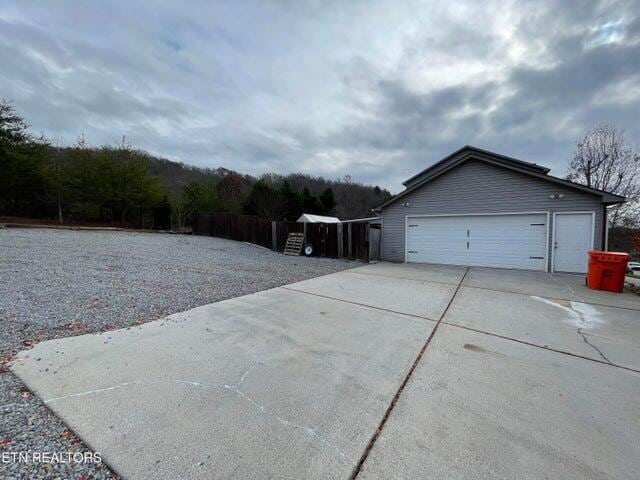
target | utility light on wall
x=406, y=204
x=555, y=196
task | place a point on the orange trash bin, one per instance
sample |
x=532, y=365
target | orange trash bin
x=607, y=270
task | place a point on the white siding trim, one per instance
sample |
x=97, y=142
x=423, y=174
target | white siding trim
x=476, y=214
x=593, y=231
x=605, y=219
x=406, y=235
x=546, y=249
x=381, y=259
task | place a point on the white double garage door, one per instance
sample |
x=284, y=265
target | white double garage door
x=508, y=241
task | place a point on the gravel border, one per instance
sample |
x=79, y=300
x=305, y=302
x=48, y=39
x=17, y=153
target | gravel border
x=59, y=283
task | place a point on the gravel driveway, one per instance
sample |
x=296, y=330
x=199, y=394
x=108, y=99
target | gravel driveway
x=58, y=283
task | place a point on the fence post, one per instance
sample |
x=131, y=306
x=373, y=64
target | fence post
x=349, y=242
x=340, y=240
x=274, y=236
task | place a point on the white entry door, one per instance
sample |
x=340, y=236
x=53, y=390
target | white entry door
x=572, y=239
x=505, y=240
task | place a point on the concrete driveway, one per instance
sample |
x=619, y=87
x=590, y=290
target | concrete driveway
x=383, y=371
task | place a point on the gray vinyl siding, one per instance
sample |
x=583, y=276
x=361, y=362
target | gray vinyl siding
x=477, y=187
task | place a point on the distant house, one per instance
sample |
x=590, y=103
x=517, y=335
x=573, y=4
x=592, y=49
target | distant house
x=481, y=208
x=308, y=218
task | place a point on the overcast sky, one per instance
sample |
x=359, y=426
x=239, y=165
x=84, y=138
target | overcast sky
x=374, y=89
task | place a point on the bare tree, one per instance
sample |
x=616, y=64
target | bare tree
x=180, y=210
x=233, y=189
x=603, y=160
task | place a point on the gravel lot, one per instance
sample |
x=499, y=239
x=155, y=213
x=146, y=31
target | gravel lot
x=57, y=283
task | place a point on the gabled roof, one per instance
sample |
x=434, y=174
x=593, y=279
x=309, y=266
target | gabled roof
x=471, y=149
x=309, y=218
x=468, y=152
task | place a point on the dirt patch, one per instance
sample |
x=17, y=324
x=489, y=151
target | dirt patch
x=473, y=347
x=562, y=302
x=632, y=288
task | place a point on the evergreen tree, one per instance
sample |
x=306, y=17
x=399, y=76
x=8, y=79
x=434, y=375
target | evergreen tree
x=22, y=164
x=310, y=202
x=293, y=202
x=203, y=197
x=327, y=202
x=265, y=201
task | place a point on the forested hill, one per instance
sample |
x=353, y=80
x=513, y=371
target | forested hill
x=351, y=199
x=119, y=184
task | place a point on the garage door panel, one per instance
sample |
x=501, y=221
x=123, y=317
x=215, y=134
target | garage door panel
x=512, y=241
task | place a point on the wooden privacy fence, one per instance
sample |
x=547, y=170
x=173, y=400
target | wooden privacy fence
x=244, y=228
x=349, y=240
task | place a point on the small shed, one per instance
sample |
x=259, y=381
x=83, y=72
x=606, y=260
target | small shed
x=309, y=218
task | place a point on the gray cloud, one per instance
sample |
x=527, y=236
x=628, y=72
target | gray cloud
x=377, y=90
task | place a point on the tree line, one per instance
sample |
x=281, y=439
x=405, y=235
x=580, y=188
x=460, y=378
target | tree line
x=121, y=185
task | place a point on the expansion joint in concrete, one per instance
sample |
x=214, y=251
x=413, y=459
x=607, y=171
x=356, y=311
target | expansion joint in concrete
x=394, y=401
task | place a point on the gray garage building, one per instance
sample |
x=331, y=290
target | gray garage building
x=480, y=208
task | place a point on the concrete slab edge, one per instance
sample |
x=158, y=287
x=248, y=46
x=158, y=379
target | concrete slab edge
x=54, y=411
